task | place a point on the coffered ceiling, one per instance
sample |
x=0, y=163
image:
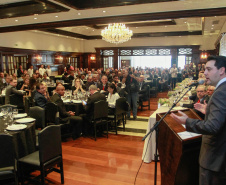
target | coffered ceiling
x=84, y=19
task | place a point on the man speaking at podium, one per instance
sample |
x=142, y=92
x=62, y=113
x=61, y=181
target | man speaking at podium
x=212, y=158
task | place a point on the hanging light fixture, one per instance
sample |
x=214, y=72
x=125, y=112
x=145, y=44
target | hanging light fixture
x=116, y=33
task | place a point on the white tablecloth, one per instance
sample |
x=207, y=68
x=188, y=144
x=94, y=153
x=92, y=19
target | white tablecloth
x=149, y=144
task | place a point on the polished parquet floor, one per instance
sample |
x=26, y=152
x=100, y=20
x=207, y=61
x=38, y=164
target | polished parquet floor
x=112, y=161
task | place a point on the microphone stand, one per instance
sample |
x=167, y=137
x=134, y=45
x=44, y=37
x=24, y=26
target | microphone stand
x=155, y=127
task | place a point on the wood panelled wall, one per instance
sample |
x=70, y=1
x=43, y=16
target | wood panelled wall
x=84, y=60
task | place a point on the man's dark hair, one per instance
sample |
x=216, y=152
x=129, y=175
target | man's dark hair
x=220, y=61
x=111, y=85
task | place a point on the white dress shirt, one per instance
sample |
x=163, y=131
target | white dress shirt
x=112, y=99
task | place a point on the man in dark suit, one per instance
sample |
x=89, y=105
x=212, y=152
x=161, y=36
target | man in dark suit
x=40, y=99
x=95, y=96
x=65, y=116
x=103, y=86
x=212, y=159
x=11, y=89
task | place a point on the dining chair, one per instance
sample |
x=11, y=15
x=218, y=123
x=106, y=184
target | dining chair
x=146, y=98
x=52, y=118
x=39, y=114
x=48, y=157
x=17, y=100
x=100, y=116
x=121, y=107
x=7, y=159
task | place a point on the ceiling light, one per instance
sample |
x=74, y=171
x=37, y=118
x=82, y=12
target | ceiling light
x=56, y=16
x=79, y=13
x=185, y=22
x=93, y=30
x=136, y=27
x=165, y=26
x=104, y=11
x=35, y=18
x=16, y=20
x=116, y=33
x=212, y=24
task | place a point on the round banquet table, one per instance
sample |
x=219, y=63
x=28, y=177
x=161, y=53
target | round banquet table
x=24, y=140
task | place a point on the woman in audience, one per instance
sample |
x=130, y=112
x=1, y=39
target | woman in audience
x=25, y=86
x=78, y=87
x=112, y=97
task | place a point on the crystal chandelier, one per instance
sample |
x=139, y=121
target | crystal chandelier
x=116, y=33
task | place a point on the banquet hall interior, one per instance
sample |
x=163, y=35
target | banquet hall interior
x=68, y=36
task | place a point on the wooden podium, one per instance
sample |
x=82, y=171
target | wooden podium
x=178, y=157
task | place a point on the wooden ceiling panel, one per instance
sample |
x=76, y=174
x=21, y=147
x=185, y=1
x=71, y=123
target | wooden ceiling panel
x=27, y=8
x=91, y=4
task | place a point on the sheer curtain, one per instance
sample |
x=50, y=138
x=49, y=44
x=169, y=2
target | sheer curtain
x=223, y=45
x=151, y=61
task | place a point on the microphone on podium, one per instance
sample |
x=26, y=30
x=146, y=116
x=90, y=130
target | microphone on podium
x=196, y=83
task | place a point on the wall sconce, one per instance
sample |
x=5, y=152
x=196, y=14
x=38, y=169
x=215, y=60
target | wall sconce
x=59, y=58
x=203, y=56
x=92, y=58
x=38, y=58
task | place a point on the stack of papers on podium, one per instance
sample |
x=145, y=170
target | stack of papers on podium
x=187, y=135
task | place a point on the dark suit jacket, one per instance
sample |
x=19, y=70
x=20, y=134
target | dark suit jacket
x=213, y=149
x=40, y=99
x=11, y=90
x=89, y=108
x=64, y=116
x=100, y=86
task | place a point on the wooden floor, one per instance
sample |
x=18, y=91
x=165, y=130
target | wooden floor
x=112, y=161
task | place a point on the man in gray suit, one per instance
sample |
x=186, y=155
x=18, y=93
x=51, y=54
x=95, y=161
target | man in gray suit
x=11, y=89
x=212, y=159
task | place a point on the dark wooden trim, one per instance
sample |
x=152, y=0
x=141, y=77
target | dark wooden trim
x=122, y=18
x=54, y=5
x=32, y=7
x=92, y=4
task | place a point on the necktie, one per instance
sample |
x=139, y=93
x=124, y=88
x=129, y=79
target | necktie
x=103, y=87
x=198, y=101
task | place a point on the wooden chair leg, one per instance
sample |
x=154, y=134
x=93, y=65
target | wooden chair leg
x=62, y=171
x=42, y=176
x=95, y=131
x=116, y=131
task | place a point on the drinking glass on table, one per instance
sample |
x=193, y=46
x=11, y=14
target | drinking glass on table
x=15, y=112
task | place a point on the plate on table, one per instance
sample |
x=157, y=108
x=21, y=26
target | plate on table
x=21, y=115
x=66, y=101
x=76, y=101
x=25, y=120
x=16, y=127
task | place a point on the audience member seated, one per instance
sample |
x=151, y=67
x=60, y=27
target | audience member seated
x=201, y=97
x=39, y=97
x=45, y=78
x=112, y=97
x=89, y=82
x=95, y=80
x=25, y=86
x=11, y=89
x=75, y=121
x=95, y=96
x=78, y=87
x=103, y=86
x=210, y=90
